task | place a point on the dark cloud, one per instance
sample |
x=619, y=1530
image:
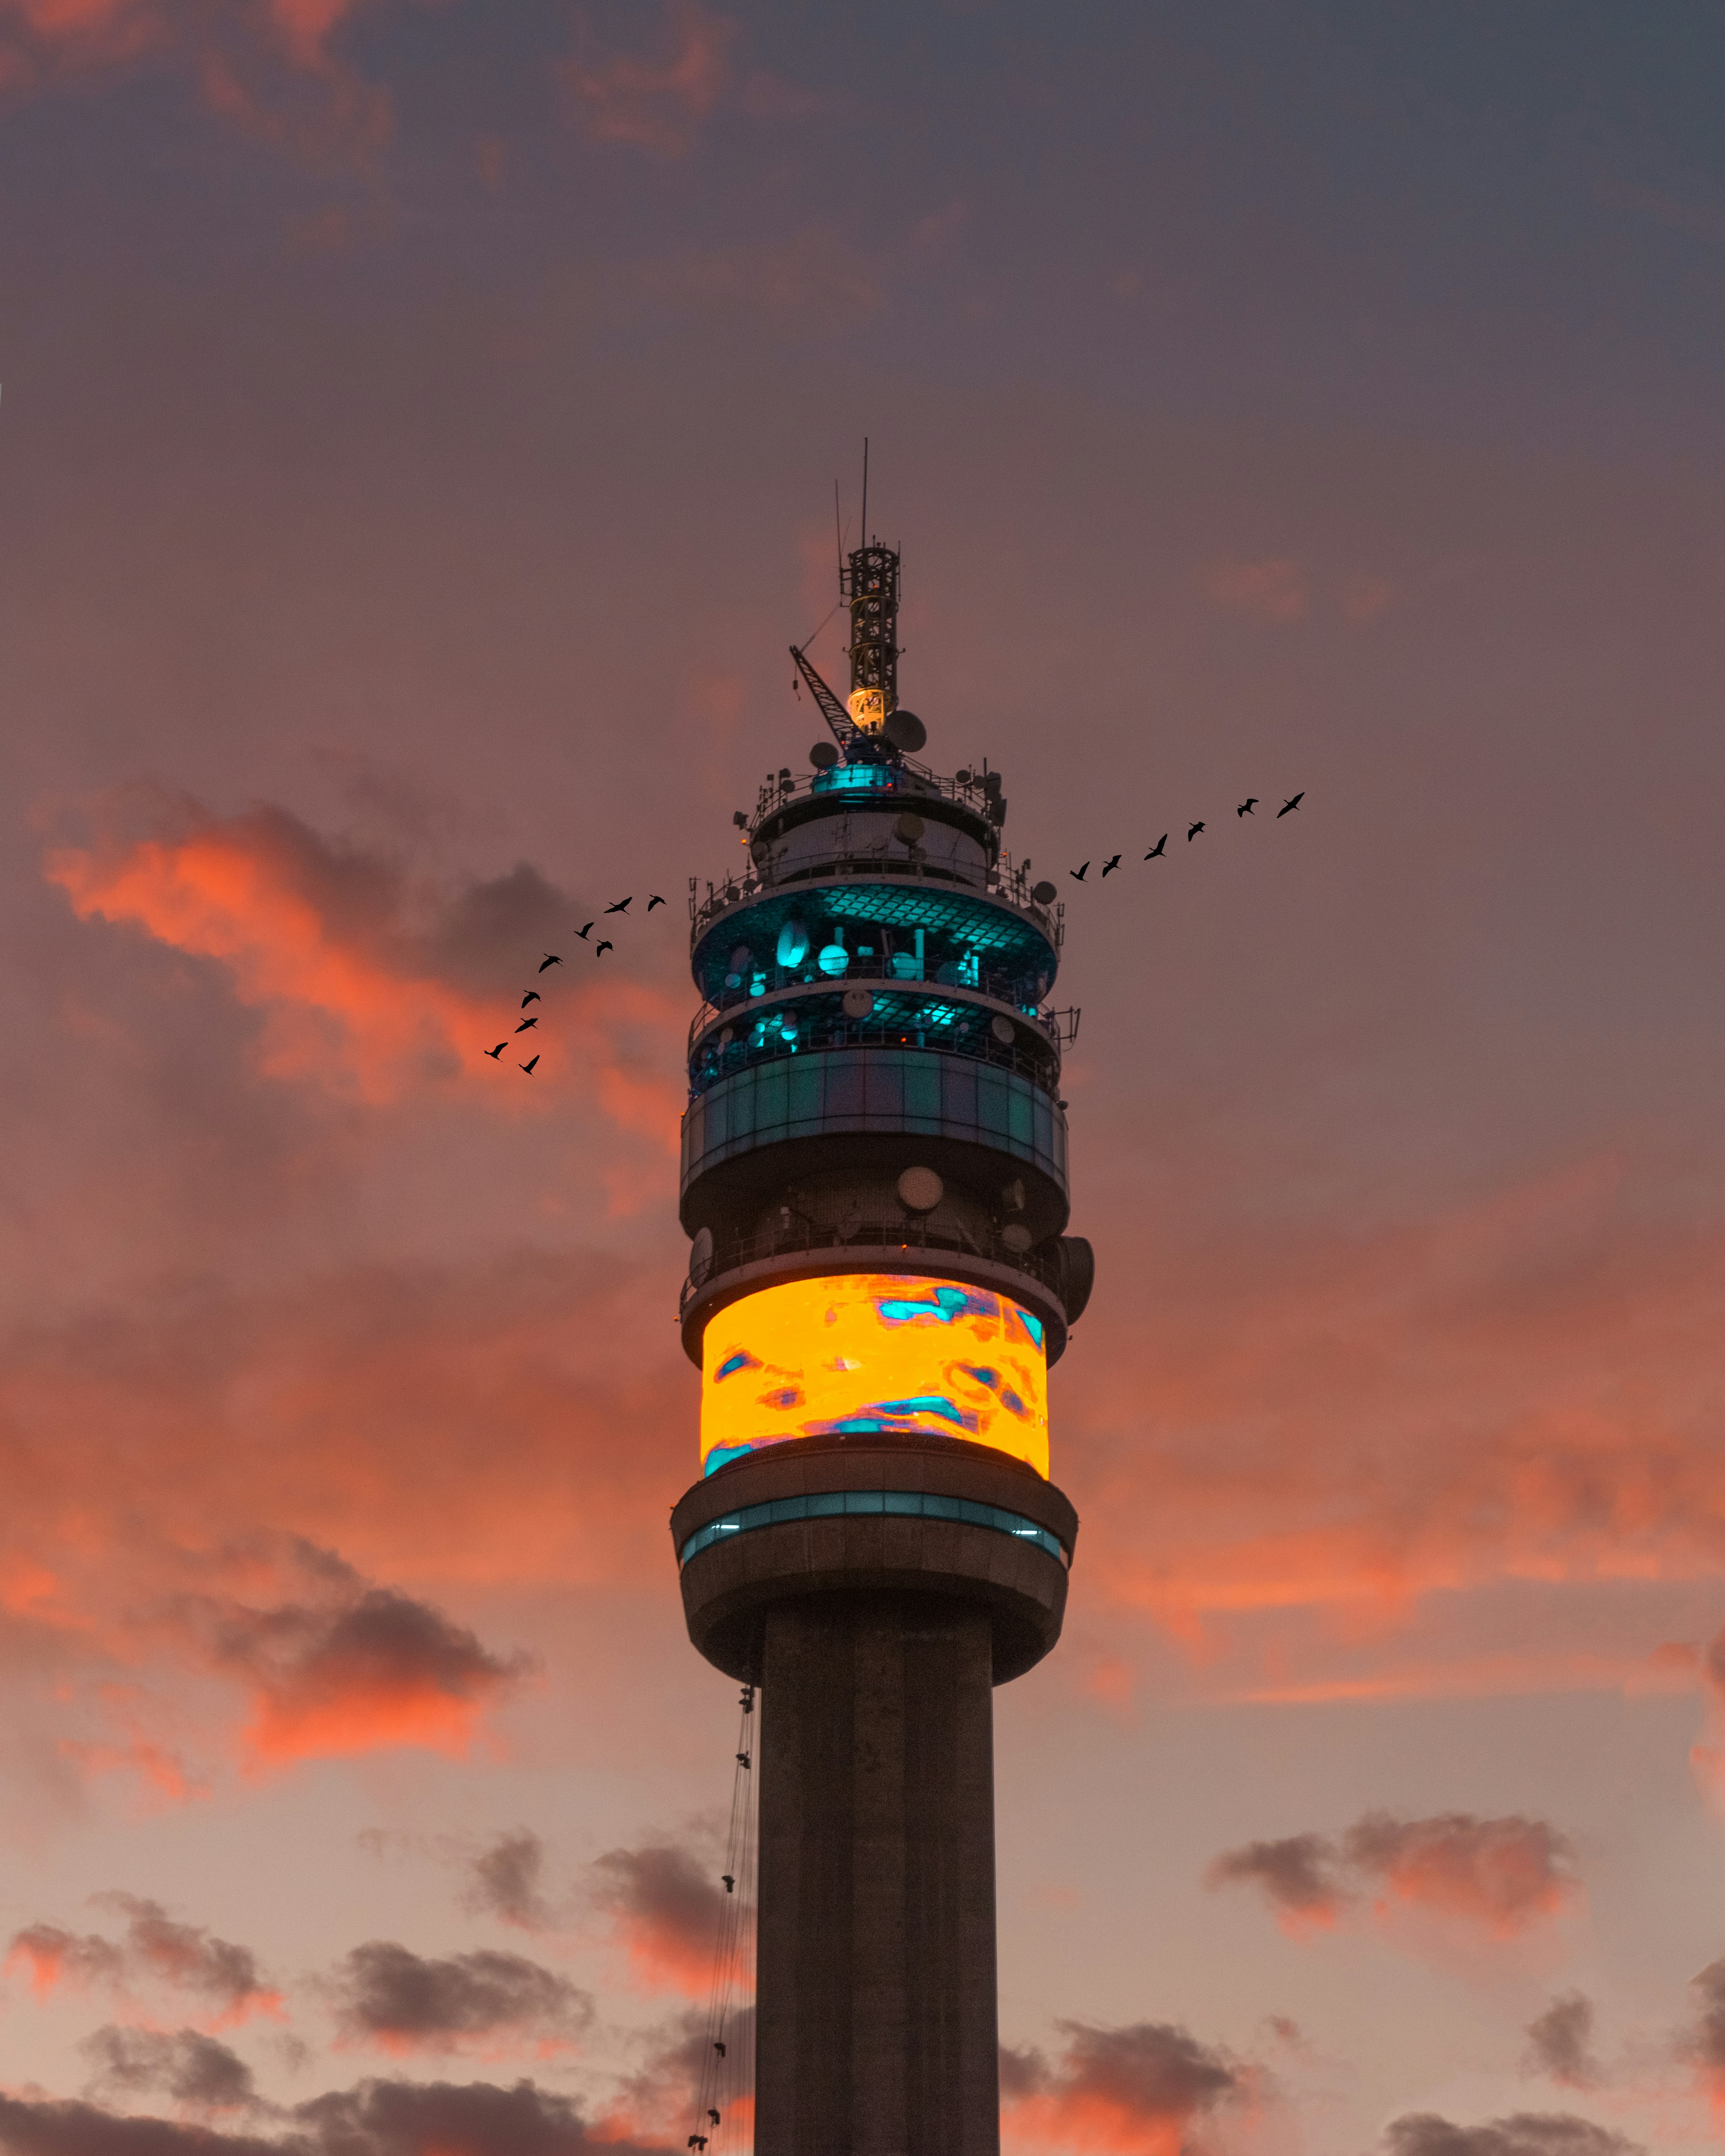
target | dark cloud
x=1497, y=1875
x=1523, y=2133
x=351, y=1665
x=389, y=1995
x=376, y=2118
x=1139, y=2079
x=505, y=1880
x=1560, y=2042
x=1299, y=1875
x=1705, y=2041
x=665, y=1905
x=187, y=2065
x=157, y=1947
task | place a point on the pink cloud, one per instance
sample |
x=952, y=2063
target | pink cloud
x=656, y=103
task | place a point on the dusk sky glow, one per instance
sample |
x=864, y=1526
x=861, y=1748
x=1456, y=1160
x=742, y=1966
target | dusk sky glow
x=417, y=447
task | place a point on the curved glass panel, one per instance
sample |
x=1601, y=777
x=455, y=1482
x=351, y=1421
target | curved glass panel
x=874, y=1354
x=911, y=1504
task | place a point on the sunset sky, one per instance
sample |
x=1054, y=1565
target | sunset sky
x=417, y=444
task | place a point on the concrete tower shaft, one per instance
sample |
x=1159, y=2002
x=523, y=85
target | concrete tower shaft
x=874, y=1182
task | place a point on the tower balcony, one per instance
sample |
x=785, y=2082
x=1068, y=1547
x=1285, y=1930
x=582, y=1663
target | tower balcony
x=991, y=1026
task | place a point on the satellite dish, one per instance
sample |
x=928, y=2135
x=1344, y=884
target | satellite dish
x=793, y=942
x=920, y=1190
x=909, y=828
x=701, y=1256
x=1017, y=1237
x=822, y=755
x=727, y=1037
x=859, y=1002
x=960, y=777
x=1045, y=894
x=905, y=732
x=1001, y=1029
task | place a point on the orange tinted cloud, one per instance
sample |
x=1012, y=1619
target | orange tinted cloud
x=1126, y=2091
x=1496, y=1878
x=370, y=985
x=358, y=1669
x=157, y=1951
x=664, y=1908
x=1516, y=1391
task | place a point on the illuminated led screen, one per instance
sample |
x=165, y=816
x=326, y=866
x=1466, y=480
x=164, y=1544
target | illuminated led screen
x=866, y=1354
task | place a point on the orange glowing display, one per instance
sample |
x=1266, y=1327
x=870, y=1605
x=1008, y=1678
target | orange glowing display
x=866, y=1354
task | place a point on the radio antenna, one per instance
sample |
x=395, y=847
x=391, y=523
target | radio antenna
x=864, y=534
x=839, y=536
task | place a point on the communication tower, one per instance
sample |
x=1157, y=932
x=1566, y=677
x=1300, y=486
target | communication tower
x=874, y=1177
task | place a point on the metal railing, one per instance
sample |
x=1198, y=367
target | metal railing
x=1042, y=1068
x=798, y=1237
x=975, y=793
x=1005, y=885
x=1008, y=993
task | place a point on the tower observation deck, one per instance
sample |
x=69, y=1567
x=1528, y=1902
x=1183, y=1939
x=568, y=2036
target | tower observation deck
x=874, y=1181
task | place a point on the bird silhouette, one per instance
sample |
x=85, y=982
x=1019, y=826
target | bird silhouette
x=1193, y=832
x=730, y=1883
x=697, y=2141
x=743, y=1758
x=1079, y=875
x=622, y=905
x=583, y=933
x=600, y=949
x=550, y=958
x=1286, y=805
x=1155, y=851
x=527, y=1022
x=718, y=2047
x=532, y=996
x=1247, y=806
x=713, y=2114
x=527, y=1067
x=494, y=1053
x=655, y=900
x=1109, y=867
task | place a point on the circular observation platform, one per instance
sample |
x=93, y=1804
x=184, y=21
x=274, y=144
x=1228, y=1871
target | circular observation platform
x=903, y=1519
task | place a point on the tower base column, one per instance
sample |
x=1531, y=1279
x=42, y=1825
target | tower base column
x=877, y=2028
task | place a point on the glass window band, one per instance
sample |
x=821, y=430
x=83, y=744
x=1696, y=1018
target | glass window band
x=903, y=1504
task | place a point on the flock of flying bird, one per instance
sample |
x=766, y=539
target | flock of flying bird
x=555, y=958
x=1245, y=808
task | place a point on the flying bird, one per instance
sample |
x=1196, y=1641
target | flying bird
x=1247, y=806
x=622, y=906
x=1286, y=805
x=1193, y=832
x=494, y=1053
x=583, y=933
x=1155, y=852
x=1109, y=867
x=600, y=949
x=527, y=1067
x=527, y=1022
x=655, y=900
x=550, y=958
x=1079, y=875
x=532, y=996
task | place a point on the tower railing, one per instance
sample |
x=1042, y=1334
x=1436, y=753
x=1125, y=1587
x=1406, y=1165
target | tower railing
x=1004, y=885
x=798, y=1237
x=1005, y=994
